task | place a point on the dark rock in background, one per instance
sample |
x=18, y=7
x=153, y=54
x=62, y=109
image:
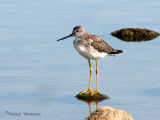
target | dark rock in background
x=135, y=34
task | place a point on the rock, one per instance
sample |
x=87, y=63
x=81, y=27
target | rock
x=91, y=96
x=108, y=113
x=135, y=34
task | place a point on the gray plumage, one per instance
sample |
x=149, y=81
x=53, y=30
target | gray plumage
x=90, y=46
x=99, y=44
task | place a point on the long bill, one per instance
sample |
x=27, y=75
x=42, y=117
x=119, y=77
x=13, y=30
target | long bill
x=71, y=35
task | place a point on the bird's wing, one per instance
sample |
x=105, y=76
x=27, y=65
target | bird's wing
x=100, y=44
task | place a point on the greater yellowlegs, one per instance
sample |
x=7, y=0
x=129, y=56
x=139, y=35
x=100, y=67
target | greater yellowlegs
x=91, y=47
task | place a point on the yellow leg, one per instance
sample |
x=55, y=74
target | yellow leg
x=89, y=104
x=96, y=76
x=89, y=88
x=96, y=105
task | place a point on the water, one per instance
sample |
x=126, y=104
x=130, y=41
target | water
x=40, y=75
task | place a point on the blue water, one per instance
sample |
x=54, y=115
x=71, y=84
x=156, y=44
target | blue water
x=40, y=75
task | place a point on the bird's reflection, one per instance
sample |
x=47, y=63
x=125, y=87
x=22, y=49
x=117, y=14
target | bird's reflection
x=92, y=100
x=89, y=105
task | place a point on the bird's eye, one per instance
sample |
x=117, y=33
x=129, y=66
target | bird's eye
x=76, y=31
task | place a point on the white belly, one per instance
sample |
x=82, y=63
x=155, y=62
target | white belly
x=89, y=52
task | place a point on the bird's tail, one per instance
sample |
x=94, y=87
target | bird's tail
x=116, y=52
x=119, y=51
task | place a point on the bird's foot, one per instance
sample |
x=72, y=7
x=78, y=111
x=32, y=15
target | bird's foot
x=86, y=91
x=95, y=92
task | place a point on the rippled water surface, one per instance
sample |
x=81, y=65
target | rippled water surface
x=40, y=75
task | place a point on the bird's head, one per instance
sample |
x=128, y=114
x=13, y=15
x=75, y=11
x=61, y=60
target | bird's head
x=77, y=32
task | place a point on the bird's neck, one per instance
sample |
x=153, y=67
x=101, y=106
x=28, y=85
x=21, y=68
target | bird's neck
x=83, y=35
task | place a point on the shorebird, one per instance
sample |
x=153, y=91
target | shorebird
x=91, y=47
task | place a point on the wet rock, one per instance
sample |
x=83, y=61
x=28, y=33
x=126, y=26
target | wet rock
x=108, y=113
x=135, y=34
x=91, y=96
